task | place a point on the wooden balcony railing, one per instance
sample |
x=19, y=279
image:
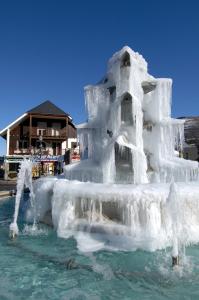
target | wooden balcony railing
x=36, y=151
x=49, y=132
x=20, y=152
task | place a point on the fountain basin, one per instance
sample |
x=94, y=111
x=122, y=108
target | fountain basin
x=34, y=267
x=118, y=216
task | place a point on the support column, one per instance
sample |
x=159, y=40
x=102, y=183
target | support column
x=67, y=131
x=6, y=169
x=30, y=132
x=7, y=154
x=8, y=142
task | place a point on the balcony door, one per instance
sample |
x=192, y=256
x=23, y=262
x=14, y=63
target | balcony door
x=56, y=148
x=56, y=129
x=41, y=128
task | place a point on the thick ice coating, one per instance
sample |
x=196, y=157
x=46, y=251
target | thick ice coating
x=130, y=136
x=120, y=216
x=119, y=196
x=24, y=179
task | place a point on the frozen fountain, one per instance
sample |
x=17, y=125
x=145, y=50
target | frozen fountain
x=130, y=136
x=120, y=195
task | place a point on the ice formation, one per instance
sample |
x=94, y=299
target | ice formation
x=120, y=216
x=24, y=178
x=130, y=136
x=122, y=194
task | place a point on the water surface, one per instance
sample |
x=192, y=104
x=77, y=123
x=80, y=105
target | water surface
x=39, y=265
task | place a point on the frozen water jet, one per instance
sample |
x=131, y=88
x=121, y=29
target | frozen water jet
x=174, y=211
x=116, y=197
x=24, y=179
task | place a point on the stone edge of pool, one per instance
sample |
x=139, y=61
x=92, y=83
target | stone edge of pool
x=4, y=194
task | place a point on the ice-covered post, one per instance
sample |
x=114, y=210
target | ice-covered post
x=173, y=209
x=24, y=178
x=175, y=252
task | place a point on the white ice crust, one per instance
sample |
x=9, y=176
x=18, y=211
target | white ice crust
x=120, y=216
x=130, y=136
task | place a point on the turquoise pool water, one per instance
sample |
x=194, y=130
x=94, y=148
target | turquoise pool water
x=39, y=265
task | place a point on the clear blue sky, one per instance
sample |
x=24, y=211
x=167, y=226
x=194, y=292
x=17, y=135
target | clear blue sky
x=52, y=49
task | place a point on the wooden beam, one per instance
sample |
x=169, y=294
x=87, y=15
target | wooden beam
x=53, y=138
x=37, y=116
x=67, y=131
x=8, y=142
x=30, y=131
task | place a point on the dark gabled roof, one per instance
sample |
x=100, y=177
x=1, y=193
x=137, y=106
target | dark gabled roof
x=47, y=108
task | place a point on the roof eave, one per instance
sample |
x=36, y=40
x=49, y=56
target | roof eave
x=3, y=131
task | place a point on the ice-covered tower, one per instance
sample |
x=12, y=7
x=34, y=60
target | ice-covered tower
x=130, y=136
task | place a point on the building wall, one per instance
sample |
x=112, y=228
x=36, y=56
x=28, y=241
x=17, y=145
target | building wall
x=72, y=132
x=14, y=137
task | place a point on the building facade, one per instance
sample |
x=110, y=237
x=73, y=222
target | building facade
x=191, y=135
x=44, y=132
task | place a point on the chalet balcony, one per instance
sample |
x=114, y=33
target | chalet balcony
x=20, y=151
x=36, y=151
x=49, y=132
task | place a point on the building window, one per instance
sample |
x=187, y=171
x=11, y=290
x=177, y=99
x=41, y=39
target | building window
x=23, y=144
x=13, y=167
x=73, y=145
x=40, y=145
x=25, y=130
x=56, y=129
x=41, y=128
x=56, y=148
x=41, y=125
x=41, y=132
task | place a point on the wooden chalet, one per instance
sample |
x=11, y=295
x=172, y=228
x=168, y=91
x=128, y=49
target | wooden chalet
x=45, y=131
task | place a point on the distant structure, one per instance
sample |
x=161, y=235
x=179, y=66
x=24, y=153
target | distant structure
x=44, y=131
x=191, y=133
x=130, y=136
